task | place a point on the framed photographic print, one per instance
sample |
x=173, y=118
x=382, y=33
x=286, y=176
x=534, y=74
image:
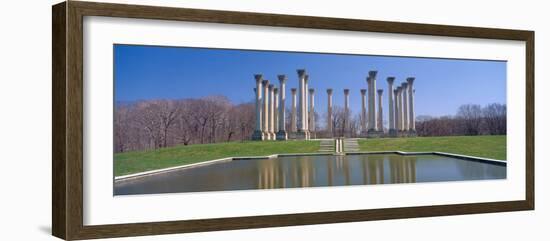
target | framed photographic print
x=171, y=120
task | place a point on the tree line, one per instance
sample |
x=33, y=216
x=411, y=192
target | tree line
x=152, y=124
x=469, y=120
x=155, y=124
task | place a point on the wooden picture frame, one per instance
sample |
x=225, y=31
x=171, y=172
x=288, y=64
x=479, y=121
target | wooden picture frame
x=67, y=150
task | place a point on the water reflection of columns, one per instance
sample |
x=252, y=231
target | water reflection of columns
x=347, y=172
x=372, y=172
x=403, y=169
x=412, y=164
x=380, y=170
x=373, y=169
x=330, y=172
x=306, y=171
x=364, y=165
x=393, y=169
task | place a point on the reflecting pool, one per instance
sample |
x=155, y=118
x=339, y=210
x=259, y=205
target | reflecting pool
x=313, y=171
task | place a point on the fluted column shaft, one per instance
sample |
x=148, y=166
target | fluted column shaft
x=391, y=117
x=265, y=121
x=400, y=108
x=258, y=91
x=346, y=110
x=281, y=134
x=293, y=123
x=363, y=111
x=412, y=124
x=311, y=115
x=405, y=107
x=301, y=101
x=371, y=80
x=271, y=112
x=396, y=109
x=380, y=116
x=306, y=97
x=276, y=110
x=329, y=111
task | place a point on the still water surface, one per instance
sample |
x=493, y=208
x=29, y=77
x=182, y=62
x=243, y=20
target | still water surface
x=312, y=171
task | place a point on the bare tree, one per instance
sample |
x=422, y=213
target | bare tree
x=121, y=128
x=495, y=118
x=471, y=117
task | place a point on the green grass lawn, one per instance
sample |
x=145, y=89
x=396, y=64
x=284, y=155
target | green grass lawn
x=480, y=146
x=134, y=162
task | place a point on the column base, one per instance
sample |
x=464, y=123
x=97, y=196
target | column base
x=258, y=136
x=292, y=135
x=392, y=133
x=282, y=135
x=302, y=135
x=403, y=133
x=372, y=133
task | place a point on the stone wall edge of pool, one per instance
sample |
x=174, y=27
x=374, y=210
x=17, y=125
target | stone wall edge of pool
x=227, y=159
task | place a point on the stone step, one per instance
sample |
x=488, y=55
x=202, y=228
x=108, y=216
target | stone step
x=326, y=146
x=351, y=145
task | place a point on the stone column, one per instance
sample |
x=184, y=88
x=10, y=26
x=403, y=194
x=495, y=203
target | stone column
x=282, y=135
x=396, y=110
x=275, y=111
x=380, y=120
x=329, y=112
x=306, y=112
x=271, y=113
x=371, y=80
x=293, y=122
x=363, y=112
x=405, y=107
x=391, y=116
x=302, y=120
x=399, y=100
x=265, y=120
x=258, y=135
x=311, y=114
x=346, y=110
x=412, y=124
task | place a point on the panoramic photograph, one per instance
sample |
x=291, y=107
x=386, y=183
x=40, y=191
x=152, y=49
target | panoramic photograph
x=190, y=119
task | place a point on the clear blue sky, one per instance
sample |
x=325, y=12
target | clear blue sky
x=442, y=85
